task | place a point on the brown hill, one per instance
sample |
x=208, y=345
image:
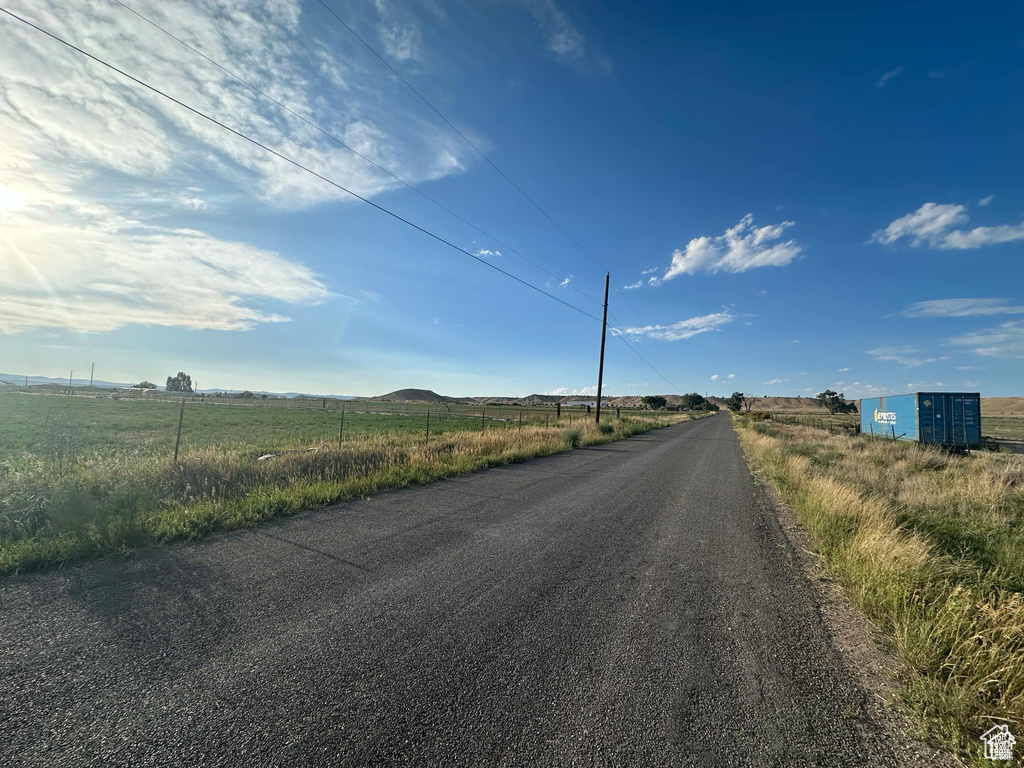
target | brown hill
x=415, y=396
x=1002, y=406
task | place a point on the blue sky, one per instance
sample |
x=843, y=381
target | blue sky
x=786, y=201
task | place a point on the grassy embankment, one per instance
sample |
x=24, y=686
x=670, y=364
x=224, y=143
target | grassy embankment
x=60, y=502
x=930, y=547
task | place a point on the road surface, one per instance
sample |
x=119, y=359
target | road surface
x=628, y=604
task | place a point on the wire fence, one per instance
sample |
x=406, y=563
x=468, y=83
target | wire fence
x=105, y=421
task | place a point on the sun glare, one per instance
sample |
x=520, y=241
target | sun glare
x=10, y=199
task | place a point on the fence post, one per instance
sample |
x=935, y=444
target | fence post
x=893, y=427
x=177, y=440
x=483, y=424
x=520, y=419
x=341, y=430
x=546, y=417
x=558, y=411
x=618, y=412
x=428, y=424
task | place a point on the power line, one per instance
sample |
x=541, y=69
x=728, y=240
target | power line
x=461, y=134
x=648, y=362
x=320, y=176
x=295, y=163
x=351, y=149
x=482, y=154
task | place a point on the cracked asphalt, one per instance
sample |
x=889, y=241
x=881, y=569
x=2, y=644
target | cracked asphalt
x=628, y=604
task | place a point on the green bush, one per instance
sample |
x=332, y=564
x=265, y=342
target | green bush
x=573, y=437
x=605, y=429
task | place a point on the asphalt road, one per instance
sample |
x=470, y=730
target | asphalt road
x=629, y=604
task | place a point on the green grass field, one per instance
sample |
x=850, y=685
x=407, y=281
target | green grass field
x=38, y=424
x=85, y=477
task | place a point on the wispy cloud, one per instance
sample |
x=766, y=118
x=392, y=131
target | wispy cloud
x=563, y=39
x=771, y=381
x=488, y=252
x=76, y=137
x=739, y=249
x=142, y=274
x=714, y=377
x=986, y=200
x=565, y=281
x=731, y=376
x=401, y=37
x=909, y=356
x=631, y=286
x=843, y=370
x=889, y=76
x=569, y=391
x=937, y=224
x=962, y=308
x=684, y=329
x=1006, y=340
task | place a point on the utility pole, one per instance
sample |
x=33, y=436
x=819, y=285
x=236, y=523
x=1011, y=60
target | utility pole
x=600, y=369
x=92, y=370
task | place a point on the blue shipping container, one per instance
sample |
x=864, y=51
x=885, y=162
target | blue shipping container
x=945, y=418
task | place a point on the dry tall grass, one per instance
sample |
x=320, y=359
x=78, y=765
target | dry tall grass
x=108, y=503
x=930, y=546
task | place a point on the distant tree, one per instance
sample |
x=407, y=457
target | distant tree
x=263, y=397
x=247, y=395
x=835, y=402
x=180, y=383
x=655, y=402
x=695, y=402
x=146, y=385
x=734, y=401
x=749, y=401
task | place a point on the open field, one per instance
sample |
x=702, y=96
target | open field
x=87, y=477
x=930, y=547
x=33, y=423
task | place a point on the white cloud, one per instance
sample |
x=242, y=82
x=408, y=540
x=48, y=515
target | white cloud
x=488, y=252
x=937, y=224
x=565, y=282
x=649, y=271
x=986, y=200
x=714, y=377
x=401, y=39
x=972, y=383
x=562, y=38
x=567, y=391
x=96, y=271
x=843, y=370
x=631, y=286
x=684, y=329
x=740, y=248
x=907, y=355
x=1006, y=340
x=99, y=167
x=772, y=381
x=731, y=376
x=962, y=308
x=889, y=76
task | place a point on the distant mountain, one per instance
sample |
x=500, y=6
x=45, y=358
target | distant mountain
x=15, y=379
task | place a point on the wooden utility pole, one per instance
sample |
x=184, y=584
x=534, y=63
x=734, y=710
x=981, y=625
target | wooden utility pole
x=600, y=369
x=92, y=370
